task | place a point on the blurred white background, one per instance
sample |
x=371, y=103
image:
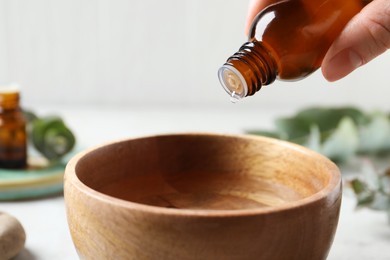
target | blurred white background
x=101, y=55
x=151, y=53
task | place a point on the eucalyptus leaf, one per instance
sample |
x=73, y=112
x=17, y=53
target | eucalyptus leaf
x=370, y=175
x=375, y=135
x=358, y=186
x=365, y=199
x=343, y=142
x=364, y=196
x=385, y=183
x=51, y=137
x=339, y=133
x=372, y=189
x=264, y=133
x=313, y=140
x=329, y=118
x=292, y=128
x=380, y=202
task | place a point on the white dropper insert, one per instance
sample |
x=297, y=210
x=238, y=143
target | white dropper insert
x=9, y=88
x=233, y=82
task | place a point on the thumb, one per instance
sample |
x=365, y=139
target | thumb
x=365, y=37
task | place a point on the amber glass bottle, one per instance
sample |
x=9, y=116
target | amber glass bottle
x=13, y=150
x=288, y=41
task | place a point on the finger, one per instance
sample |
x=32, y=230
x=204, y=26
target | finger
x=365, y=37
x=255, y=6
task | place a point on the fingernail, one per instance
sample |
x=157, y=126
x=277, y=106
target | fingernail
x=342, y=64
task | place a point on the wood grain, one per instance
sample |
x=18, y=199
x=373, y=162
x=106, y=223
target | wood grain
x=202, y=196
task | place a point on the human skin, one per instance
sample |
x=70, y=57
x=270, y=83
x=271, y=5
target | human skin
x=365, y=37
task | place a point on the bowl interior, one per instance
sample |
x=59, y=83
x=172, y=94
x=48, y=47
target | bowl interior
x=215, y=172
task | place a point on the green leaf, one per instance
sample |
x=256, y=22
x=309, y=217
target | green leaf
x=298, y=127
x=365, y=199
x=313, y=140
x=51, y=137
x=343, y=142
x=292, y=128
x=358, y=186
x=374, y=190
x=375, y=135
x=385, y=183
x=380, y=202
x=264, y=133
x=326, y=130
x=329, y=118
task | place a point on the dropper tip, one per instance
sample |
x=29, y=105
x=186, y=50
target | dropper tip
x=233, y=82
x=234, y=98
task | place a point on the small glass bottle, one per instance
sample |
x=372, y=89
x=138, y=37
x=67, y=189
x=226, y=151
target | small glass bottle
x=13, y=137
x=288, y=41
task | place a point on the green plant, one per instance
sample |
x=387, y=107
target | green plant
x=338, y=133
x=372, y=188
x=49, y=135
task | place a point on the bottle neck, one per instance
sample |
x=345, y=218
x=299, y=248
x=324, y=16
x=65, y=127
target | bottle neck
x=9, y=101
x=245, y=72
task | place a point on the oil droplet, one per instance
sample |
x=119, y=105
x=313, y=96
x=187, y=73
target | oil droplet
x=234, y=98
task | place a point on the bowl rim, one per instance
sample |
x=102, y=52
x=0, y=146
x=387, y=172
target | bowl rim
x=333, y=188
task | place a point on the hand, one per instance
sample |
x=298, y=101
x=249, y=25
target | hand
x=365, y=37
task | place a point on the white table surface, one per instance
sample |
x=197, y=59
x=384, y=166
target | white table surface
x=362, y=234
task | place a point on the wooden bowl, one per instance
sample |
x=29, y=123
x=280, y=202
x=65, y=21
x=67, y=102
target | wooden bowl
x=202, y=196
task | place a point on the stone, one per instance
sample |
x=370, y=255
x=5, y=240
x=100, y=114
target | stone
x=12, y=236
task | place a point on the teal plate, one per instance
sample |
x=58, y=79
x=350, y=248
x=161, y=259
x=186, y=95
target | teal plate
x=31, y=183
